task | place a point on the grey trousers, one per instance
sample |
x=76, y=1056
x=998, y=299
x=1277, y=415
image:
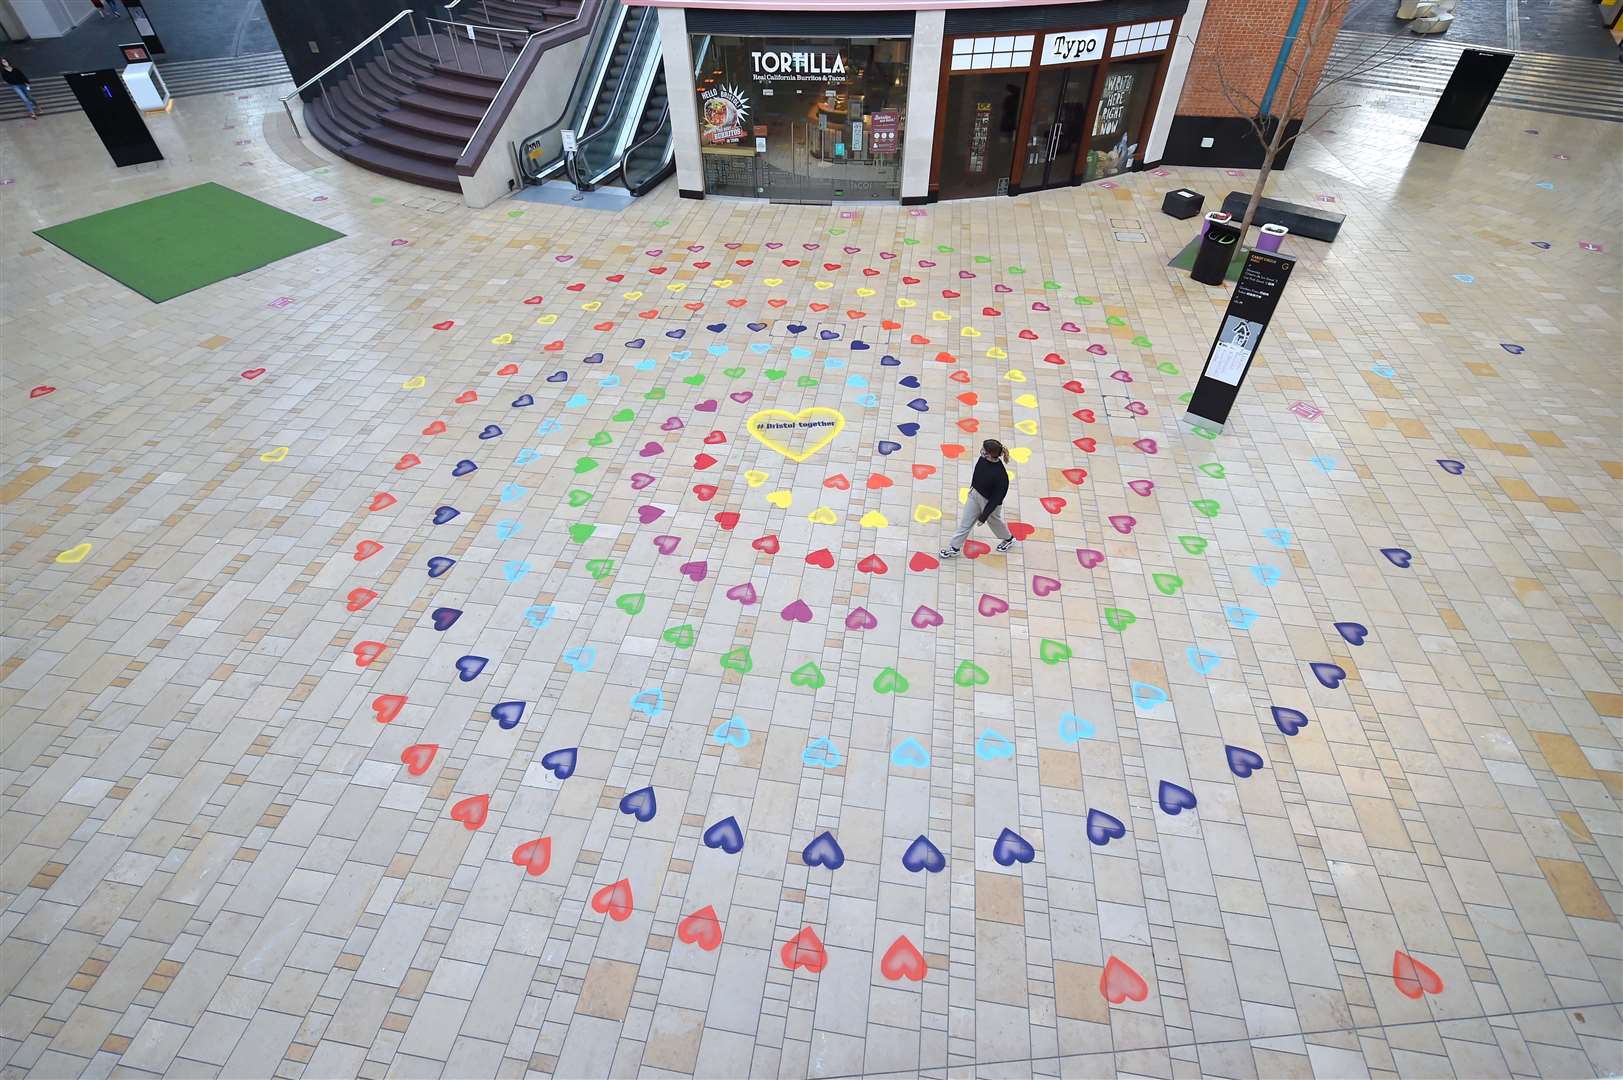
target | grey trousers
x=974, y=506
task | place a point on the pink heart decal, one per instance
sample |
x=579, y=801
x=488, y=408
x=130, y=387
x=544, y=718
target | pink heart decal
x=707, y=405
x=1138, y=408
x=887, y=254
x=860, y=618
x=1001, y=288
x=1070, y=327
x=649, y=514
x=773, y=245
x=1089, y=557
x=991, y=605
x=798, y=611
x=1147, y=445
x=810, y=247
x=563, y=258
x=1099, y=350
x=640, y=480
x=964, y=275
x=666, y=544
x=849, y=250
x=926, y=617
x=741, y=396
x=672, y=423
x=1119, y=376
x=732, y=245
x=1123, y=523
x=695, y=248
x=1038, y=305
x=1043, y=586
x=926, y=263
x=398, y=242
x=695, y=570
x=654, y=253
x=1141, y=487
x=744, y=594
x=651, y=449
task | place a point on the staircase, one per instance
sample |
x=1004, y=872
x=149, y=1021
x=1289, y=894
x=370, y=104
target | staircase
x=408, y=111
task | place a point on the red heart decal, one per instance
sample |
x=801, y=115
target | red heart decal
x=889, y=325
x=467, y=397
x=822, y=557
x=358, y=599
x=387, y=706
x=553, y=346
x=651, y=313
x=919, y=339
x=381, y=500
x=614, y=900
x=1075, y=476
x=951, y=450
x=366, y=549
x=1021, y=530
x=744, y=262
x=714, y=438
x=705, y=492
x=872, y=564
x=768, y=544
x=868, y=271
x=903, y=961
x=1084, y=415
x=418, y=758
x=436, y=427
x=879, y=480
x=1054, y=358
x=251, y=374
x=851, y=314
x=727, y=519
x=657, y=269
x=974, y=549
x=921, y=562
x=804, y=951
x=1075, y=387
x=1027, y=335
x=922, y=472
x=603, y=326
x=1086, y=445
x=1119, y=982
x=945, y=357
x=471, y=811
x=532, y=300
x=576, y=287
x=838, y=482
x=534, y=855
x=694, y=305
x=969, y=397
x=776, y=303
x=831, y=266
x=991, y=311
x=366, y=652
x=818, y=307
x=1414, y=978
x=909, y=280
x=736, y=302
x=791, y=262
x=615, y=278
x=407, y=461
x=959, y=376
x=1052, y=503
x=507, y=369
x=951, y=294
x=702, y=928
x=703, y=461
x=446, y=325
x=703, y=265
x=970, y=424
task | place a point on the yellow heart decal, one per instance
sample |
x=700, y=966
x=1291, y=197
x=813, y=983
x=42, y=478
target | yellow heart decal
x=963, y=494
x=1020, y=454
x=820, y=423
x=969, y=331
x=995, y=353
x=591, y=305
x=823, y=284
x=1015, y=375
x=634, y=294
x=904, y=302
x=546, y=320
x=502, y=339
x=74, y=554
x=278, y=454
x=416, y=382
x=873, y=519
x=864, y=291
x=822, y=516
x=755, y=477
x=676, y=286
x=774, y=282
x=1026, y=401
x=939, y=316
x=926, y=514
x=1026, y=427
x=723, y=283
x=781, y=499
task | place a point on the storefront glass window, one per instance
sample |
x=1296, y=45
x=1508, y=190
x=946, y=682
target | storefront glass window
x=1114, y=145
x=798, y=121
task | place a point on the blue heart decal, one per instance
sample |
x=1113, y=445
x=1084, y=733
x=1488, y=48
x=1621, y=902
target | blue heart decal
x=1355, y=633
x=463, y=468
x=910, y=754
x=440, y=564
x=889, y=361
x=514, y=569
x=1174, y=799
x=1103, y=827
x=887, y=447
x=1242, y=762
x=918, y=404
x=1202, y=661
x=1073, y=729
x=1398, y=557
x=1290, y=721
x=921, y=854
x=523, y=401
x=491, y=431
x=636, y=343
x=1329, y=675
x=1277, y=537
x=732, y=732
x=581, y=659
x=640, y=804
x=513, y=492
x=561, y=763
x=725, y=835
x=909, y=381
x=1147, y=696
x=993, y=746
x=1010, y=847
x=1267, y=575
x=507, y=528
x=821, y=753
x=823, y=851
x=908, y=429
x=444, y=514
x=538, y=615
x=650, y=702
x=1241, y=618
x=469, y=667
x=444, y=618
x=507, y=714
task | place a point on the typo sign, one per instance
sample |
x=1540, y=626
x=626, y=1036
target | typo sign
x=803, y=64
x=1256, y=294
x=1073, y=47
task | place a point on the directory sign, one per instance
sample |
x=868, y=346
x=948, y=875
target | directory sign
x=1256, y=294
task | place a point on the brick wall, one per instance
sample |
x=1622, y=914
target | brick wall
x=1242, y=38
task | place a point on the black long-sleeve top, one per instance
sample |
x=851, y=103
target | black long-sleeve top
x=991, y=482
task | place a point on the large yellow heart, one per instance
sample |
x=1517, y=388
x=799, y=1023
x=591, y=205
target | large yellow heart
x=634, y=294
x=904, y=302
x=1015, y=375
x=939, y=316
x=969, y=331
x=502, y=339
x=822, y=516
x=1020, y=454
x=820, y=421
x=74, y=554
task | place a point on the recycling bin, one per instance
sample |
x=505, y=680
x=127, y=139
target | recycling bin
x=1217, y=248
x=1272, y=236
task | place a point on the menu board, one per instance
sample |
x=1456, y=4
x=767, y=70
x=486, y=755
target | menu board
x=980, y=132
x=882, y=132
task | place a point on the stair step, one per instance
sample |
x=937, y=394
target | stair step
x=389, y=162
x=431, y=124
x=413, y=144
x=480, y=90
x=460, y=108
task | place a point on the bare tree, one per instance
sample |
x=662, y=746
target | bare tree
x=1296, y=95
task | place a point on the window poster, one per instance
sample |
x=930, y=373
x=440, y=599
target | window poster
x=1113, y=101
x=723, y=112
x=979, y=133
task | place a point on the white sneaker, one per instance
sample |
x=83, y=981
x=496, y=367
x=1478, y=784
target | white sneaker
x=949, y=553
x=1005, y=545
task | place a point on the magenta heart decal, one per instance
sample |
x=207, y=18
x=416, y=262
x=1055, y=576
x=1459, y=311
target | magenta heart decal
x=809, y=247
x=398, y=243
x=651, y=449
x=797, y=611
x=707, y=405
x=732, y=245
x=1119, y=376
x=666, y=544
x=1147, y=445
x=860, y=618
x=672, y=423
x=849, y=250
x=1070, y=327
x=964, y=275
x=744, y=594
x=563, y=258
x=1138, y=408
x=927, y=263
x=1043, y=586
x=887, y=254
x=640, y=480
x=741, y=396
x=1089, y=557
x=773, y=245
x=654, y=253
x=1038, y=305
x=649, y=514
x=926, y=617
x=1001, y=288
x=991, y=605
x=1099, y=350
x=1123, y=523
x=695, y=570
x=695, y=248
x=1141, y=487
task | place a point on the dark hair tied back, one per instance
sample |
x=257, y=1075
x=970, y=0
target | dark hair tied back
x=995, y=449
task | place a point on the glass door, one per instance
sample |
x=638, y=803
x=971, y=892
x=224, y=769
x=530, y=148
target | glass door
x=983, y=115
x=1058, y=116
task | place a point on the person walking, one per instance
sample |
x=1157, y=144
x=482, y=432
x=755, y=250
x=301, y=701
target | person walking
x=985, y=503
x=18, y=81
x=107, y=8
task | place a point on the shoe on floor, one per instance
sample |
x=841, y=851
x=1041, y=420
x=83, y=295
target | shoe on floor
x=1005, y=545
x=949, y=553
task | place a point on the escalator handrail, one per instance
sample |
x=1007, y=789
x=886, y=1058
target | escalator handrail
x=580, y=96
x=619, y=91
x=660, y=173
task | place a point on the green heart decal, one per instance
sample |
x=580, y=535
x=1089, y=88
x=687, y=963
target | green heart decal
x=1167, y=367
x=624, y=416
x=581, y=532
x=890, y=681
x=805, y=381
x=774, y=373
x=599, y=568
x=1052, y=286
x=1017, y=269
x=660, y=224
x=738, y=659
x=694, y=380
x=602, y=438
x=944, y=249
x=983, y=258
x=909, y=241
x=1169, y=584
x=579, y=498
x=1213, y=469
x=1050, y=651
x=1195, y=545
x=1141, y=341
x=971, y=674
x=656, y=394
x=1209, y=507
x=680, y=636
x=584, y=465
x=1115, y=320
x=1085, y=301
x=732, y=372
x=1205, y=433
x=837, y=232
x=515, y=213
x=631, y=603
x=378, y=200
x=809, y=675
x=1119, y=619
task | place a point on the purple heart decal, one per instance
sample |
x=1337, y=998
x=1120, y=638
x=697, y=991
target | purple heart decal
x=860, y=618
x=708, y=405
x=695, y=570
x=797, y=611
x=756, y=326
x=926, y=617
x=741, y=396
x=666, y=544
x=640, y=480
x=672, y=423
x=1513, y=350
x=651, y=449
x=558, y=376
x=649, y=514
x=677, y=333
x=636, y=343
x=1043, y=586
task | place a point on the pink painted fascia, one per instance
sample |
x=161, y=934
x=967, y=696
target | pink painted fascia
x=840, y=5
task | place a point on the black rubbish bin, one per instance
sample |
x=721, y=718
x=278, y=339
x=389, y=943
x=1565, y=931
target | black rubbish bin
x=1217, y=249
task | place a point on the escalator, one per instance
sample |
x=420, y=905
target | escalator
x=618, y=112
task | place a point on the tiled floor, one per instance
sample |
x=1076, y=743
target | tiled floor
x=231, y=845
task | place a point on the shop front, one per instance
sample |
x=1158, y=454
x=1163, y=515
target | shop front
x=801, y=120
x=1025, y=111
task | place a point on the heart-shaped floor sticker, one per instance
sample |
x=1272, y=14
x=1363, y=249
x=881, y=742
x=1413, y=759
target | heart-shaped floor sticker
x=796, y=435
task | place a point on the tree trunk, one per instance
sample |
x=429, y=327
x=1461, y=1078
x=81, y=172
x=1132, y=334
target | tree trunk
x=1270, y=151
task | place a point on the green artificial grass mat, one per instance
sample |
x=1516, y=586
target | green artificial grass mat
x=171, y=244
x=1185, y=259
